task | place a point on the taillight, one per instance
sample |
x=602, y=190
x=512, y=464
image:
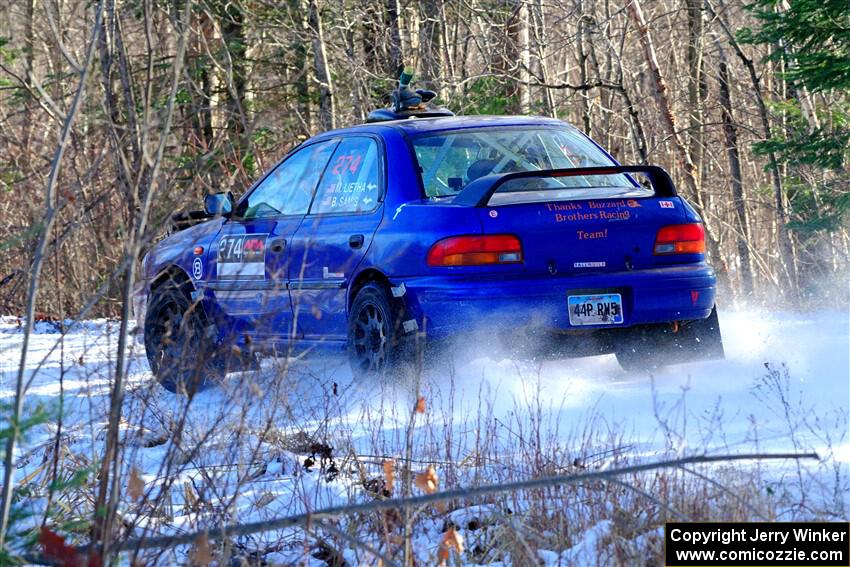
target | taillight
x=680, y=239
x=476, y=250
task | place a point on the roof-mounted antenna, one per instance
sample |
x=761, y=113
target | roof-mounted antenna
x=407, y=103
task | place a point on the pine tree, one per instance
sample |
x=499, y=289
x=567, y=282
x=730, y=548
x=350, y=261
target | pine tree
x=811, y=40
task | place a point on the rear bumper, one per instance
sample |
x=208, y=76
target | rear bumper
x=445, y=305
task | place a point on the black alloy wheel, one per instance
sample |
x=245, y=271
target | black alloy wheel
x=372, y=332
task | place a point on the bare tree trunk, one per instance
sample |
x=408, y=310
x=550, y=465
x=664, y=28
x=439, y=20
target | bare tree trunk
x=302, y=64
x=538, y=20
x=668, y=122
x=29, y=68
x=359, y=99
x=397, y=53
x=524, y=58
x=327, y=110
x=696, y=89
x=665, y=112
x=606, y=70
x=785, y=245
x=739, y=198
x=448, y=74
x=201, y=118
x=458, y=56
x=117, y=127
x=635, y=124
x=584, y=96
x=514, y=60
x=231, y=14
x=430, y=44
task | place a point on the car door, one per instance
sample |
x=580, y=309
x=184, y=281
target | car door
x=334, y=236
x=251, y=253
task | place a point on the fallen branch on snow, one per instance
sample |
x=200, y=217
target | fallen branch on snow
x=222, y=531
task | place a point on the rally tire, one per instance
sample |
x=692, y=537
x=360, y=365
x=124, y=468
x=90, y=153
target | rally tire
x=636, y=356
x=650, y=348
x=181, y=358
x=375, y=339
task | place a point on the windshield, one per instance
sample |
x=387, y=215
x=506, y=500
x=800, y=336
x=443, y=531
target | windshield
x=449, y=161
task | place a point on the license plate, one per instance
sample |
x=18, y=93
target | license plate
x=601, y=309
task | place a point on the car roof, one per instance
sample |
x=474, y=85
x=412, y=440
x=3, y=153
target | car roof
x=421, y=125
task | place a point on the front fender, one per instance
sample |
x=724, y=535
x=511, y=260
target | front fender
x=178, y=250
x=174, y=254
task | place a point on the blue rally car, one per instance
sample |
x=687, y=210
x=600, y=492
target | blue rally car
x=364, y=237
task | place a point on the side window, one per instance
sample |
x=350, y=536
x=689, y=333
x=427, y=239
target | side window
x=289, y=188
x=352, y=180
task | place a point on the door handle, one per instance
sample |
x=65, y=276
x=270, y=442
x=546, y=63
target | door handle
x=277, y=245
x=355, y=241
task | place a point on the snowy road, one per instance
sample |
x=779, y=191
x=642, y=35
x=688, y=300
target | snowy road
x=785, y=385
x=734, y=394
x=772, y=360
x=706, y=405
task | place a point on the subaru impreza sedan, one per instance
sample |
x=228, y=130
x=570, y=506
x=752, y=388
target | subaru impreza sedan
x=366, y=238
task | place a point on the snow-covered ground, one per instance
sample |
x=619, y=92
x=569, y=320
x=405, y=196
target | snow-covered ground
x=784, y=386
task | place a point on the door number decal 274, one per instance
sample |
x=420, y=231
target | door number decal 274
x=242, y=256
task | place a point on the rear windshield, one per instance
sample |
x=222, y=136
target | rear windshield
x=449, y=161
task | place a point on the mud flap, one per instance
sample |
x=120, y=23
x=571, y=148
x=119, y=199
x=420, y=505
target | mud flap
x=690, y=341
x=699, y=340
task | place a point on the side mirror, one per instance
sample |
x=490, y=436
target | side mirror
x=219, y=204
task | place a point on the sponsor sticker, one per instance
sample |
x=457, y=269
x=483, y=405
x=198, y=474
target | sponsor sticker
x=665, y=204
x=198, y=268
x=592, y=235
x=329, y=275
x=494, y=214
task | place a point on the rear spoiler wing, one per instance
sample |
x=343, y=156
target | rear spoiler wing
x=478, y=193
